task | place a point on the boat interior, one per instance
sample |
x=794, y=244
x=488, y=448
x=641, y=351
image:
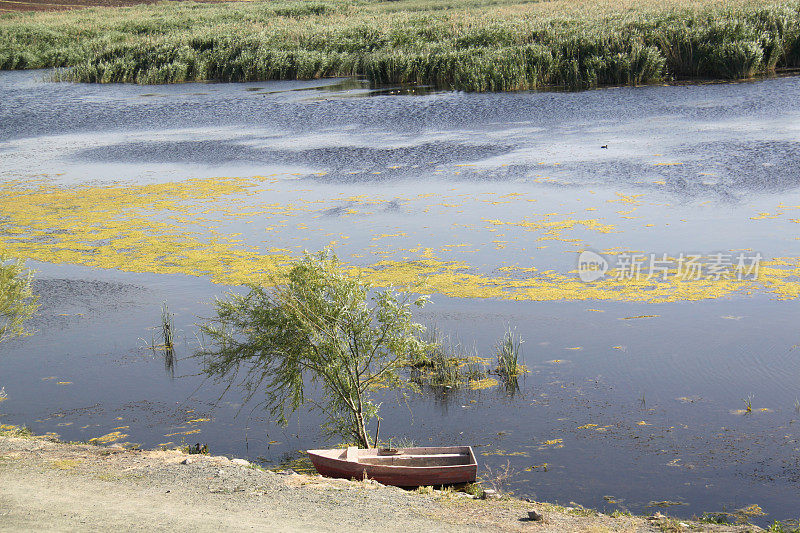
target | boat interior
x=423, y=457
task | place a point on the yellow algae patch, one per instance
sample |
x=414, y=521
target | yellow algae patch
x=587, y=426
x=190, y=432
x=119, y=227
x=196, y=420
x=553, y=229
x=632, y=199
x=765, y=215
x=108, y=437
x=165, y=228
x=485, y=383
x=504, y=453
x=555, y=443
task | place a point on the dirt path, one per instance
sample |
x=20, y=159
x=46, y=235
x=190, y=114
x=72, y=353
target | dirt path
x=46, y=485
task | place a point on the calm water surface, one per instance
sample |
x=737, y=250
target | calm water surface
x=624, y=412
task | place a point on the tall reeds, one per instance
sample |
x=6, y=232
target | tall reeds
x=445, y=46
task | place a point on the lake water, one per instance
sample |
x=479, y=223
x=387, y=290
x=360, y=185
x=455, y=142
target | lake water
x=124, y=197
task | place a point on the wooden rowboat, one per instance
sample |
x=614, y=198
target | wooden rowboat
x=402, y=467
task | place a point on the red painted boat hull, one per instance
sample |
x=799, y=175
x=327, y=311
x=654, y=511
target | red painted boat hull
x=400, y=476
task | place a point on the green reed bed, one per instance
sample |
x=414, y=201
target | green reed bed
x=471, y=45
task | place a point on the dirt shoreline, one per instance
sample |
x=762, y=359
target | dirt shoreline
x=49, y=485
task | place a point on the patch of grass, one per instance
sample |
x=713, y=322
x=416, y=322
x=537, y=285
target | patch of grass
x=65, y=464
x=738, y=516
x=618, y=513
x=113, y=476
x=473, y=489
x=715, y=518
x=474, y=45
x=197, y=449
x=785, y=526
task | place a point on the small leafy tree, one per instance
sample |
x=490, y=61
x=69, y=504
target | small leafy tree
x=319, y=326
x=17, y=302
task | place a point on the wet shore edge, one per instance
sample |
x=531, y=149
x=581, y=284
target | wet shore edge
x=89, y=486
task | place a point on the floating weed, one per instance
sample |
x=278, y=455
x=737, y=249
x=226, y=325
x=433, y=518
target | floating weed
x=552, y=443
x=739, y=516
x=108, y=438
x=481, y=384
x=665, y=503
x=504, y=453
x=543, y=467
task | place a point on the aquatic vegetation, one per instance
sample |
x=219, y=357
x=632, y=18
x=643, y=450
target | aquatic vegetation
x=508, y=365
x=471, y=46
x=17, y=301
x=748, y=403
x=167, y=328
x=176, y=227
x=481, y=384
x=551, y=444
x=108, y=438
x=446, y=364
x=738, y=516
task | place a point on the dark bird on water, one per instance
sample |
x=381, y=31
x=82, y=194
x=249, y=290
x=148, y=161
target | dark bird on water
x=604, y=146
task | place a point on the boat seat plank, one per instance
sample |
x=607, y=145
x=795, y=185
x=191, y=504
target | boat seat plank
x=352, y=454
x=421, y=456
